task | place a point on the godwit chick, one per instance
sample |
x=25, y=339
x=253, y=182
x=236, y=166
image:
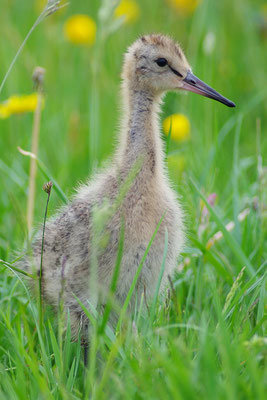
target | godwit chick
x=153, y=65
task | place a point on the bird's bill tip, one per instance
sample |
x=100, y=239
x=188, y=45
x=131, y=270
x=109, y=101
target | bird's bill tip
x=192, y=84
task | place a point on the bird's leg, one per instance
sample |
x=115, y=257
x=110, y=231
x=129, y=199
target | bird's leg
x=85, y=339
x=85, y=353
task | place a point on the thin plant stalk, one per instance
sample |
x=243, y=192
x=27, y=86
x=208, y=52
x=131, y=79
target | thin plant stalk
x=234, y=246
x=47, y=174
x=51, y=7
x=13, y=268
x=138, y=271
x=61, y=313
x=38, y=79
x=39, y=19
x=229, y=227
x=106, y=25
x=237, y=232
x=153, y=307
x=47, y=188
x=114, y=280
x=260, y=173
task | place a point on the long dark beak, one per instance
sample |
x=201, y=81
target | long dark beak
x=193, y=84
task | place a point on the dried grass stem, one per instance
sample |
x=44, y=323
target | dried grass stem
x=38, y=76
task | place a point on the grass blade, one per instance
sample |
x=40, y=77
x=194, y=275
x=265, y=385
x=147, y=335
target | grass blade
x=46, y=173
x=153, y=307
x=12, y=175
x=232, y=243
x=114, y=280
x=139, y=269
x=11, y=266
x=237, y=232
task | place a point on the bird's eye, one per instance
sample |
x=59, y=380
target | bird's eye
x=161, y=62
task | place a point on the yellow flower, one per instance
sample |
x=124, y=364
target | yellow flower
x=179, y=125
x=4, y=113
x=80, y=29
x=184, y=7
x=128, y=9
x=18, y=104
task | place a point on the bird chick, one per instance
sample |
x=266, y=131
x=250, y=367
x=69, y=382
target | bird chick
x=153, y=65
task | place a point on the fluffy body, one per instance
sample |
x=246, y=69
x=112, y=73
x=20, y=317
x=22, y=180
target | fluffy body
x=68, y=236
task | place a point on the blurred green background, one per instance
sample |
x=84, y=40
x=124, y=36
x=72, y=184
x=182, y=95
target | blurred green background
x=207, y=339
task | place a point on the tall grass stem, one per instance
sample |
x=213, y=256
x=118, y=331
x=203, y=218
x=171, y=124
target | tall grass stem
x=47, y=188
x=38, y=77
x=50, y=8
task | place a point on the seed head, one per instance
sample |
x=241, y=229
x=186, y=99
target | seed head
x=47, y=187
x=38, y=77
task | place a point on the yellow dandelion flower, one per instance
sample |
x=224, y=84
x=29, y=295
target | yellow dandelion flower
x=4, y=113
x=18, y=104
x=184, y=7
x=22, y=104
x=80, y=29
x=179, y=125
x=128, y=9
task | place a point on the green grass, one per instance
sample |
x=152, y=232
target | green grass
x=206, y=339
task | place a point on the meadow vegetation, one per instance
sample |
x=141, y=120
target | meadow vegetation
x=206, y=339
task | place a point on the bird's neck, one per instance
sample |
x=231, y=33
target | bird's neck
x=140, y=134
